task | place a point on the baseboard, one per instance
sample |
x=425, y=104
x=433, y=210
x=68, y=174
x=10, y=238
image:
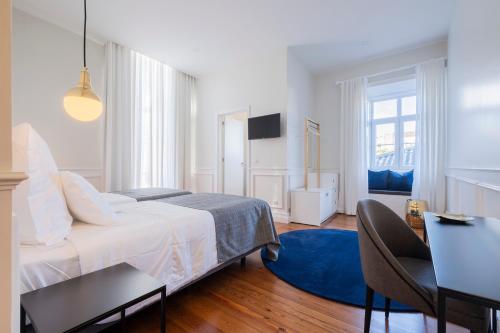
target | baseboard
x=281, y=217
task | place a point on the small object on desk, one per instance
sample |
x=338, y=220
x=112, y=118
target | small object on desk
x=454, y=218
x=80, y=302
x=414, y=213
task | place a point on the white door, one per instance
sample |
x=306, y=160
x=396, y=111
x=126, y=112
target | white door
x=234, y=157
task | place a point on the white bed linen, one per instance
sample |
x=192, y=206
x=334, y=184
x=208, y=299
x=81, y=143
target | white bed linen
x=42, y=265
x=171, y=243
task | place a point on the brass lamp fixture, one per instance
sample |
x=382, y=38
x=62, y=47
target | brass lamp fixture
x=81, y=102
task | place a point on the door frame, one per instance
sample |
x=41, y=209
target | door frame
x=220, y=151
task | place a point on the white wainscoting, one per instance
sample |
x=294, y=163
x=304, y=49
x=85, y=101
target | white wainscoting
x=94, y=176
x=269, y=184
x=205, y=180
x=270, y=188
x=471, y=196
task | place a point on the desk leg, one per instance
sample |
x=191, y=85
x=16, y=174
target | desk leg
x=163, y=324
x=122, y=320
x=23, y=320
x=441, y=312
x=425, y=234
x=494, y=320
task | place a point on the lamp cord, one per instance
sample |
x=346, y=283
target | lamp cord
x=84, y=33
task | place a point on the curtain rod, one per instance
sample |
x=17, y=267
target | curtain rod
x=395, y=69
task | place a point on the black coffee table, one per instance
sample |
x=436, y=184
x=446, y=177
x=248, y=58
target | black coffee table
x=77, y=303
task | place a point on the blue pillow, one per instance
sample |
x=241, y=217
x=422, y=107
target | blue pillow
x=378, y=180
x=401, y=182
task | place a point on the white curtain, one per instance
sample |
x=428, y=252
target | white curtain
x=118, y=136
x=149, y=108
x=354, y=145
x=429, y=183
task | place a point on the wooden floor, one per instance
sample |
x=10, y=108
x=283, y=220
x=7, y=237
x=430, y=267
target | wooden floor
x=251, y=299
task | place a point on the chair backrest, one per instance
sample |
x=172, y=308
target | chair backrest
x=383, y=236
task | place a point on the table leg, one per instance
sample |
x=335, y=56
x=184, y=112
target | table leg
x=425, y=234
x=494, y=320
x=441, y=312
x=163, y=324
x=122, y=320
x=23, y=320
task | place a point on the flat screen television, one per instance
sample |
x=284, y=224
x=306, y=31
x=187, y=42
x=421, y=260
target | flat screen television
x=264, y=127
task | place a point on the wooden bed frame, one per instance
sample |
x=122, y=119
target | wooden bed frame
x=242, y=258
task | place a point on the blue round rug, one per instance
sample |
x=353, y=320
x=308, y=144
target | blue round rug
x=326, y=263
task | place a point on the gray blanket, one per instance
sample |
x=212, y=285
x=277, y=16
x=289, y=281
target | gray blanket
x=241, y=224
x=152, y=193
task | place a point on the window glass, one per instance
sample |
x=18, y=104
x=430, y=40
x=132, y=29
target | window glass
x=409, y=105
x=385, y=109
x=385, y=144
x=409, y=139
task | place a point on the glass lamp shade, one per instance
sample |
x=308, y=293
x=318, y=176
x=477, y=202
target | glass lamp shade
x=81, y=102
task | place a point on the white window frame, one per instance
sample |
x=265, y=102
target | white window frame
x=398, y=120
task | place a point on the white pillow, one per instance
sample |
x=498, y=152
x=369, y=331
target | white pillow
x=85, y=203
x=37, y=202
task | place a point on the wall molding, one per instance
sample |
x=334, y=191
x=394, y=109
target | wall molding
x=198, y=176
x=204, y=171
x=281, y=182
x=472, y=197
x=95, y=176
x=9, y=180
x=272, y=184
x=475, y=182
x=475, y=169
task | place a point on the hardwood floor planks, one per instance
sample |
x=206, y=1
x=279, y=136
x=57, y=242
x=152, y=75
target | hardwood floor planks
x=251, y=299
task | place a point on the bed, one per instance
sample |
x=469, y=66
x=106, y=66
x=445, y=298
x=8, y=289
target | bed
x=152, y=193
x=178, y=241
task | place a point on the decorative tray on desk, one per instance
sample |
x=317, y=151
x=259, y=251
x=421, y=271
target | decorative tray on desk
x=454, y=218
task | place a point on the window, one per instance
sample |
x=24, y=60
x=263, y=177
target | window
x=393, y=131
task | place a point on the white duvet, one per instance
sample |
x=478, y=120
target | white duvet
x=171, y=243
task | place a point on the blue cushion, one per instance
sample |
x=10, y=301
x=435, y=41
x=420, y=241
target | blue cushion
x=378, y=180
x=400, y=181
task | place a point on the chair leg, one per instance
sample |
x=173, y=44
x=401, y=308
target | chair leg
x=387, y=306
x=368, y=308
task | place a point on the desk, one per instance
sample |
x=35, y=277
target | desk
x=466, y=261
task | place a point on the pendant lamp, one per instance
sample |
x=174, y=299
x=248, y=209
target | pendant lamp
x=81, y=102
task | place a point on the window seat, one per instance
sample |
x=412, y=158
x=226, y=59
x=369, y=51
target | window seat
x=396, y=202
x=391, y=188
x=390, y=192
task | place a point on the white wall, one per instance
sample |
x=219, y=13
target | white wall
x=46, y=63
x=261, y=85
x=327, y=94
x=300, y=104
x=300, y=89
x=474, y=109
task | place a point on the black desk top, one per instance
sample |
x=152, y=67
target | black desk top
x=466, y=258
x=66, y=305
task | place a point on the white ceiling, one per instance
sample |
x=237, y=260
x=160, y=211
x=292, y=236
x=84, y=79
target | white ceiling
x=199, y=36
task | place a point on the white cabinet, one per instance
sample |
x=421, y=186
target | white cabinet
x=313, y=206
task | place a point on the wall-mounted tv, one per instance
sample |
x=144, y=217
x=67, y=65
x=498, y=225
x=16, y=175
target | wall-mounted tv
x=264, y=127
